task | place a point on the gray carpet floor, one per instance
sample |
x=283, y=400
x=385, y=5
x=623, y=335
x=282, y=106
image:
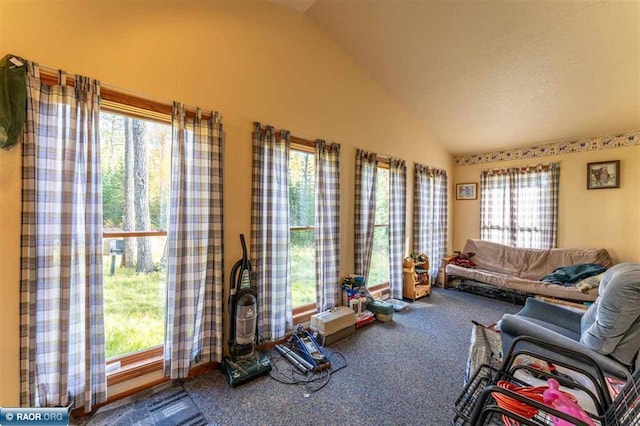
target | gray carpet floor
x=404, y=372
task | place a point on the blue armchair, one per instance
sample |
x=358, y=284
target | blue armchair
x=608, y=333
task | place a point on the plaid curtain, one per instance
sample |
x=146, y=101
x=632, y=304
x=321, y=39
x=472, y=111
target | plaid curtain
x=397, y=209
x=365, y=210
x=62, y=359
x=193, y=326
x=270, y=231
x=495, y=207
x=327, y=225
x=519, y=206
x=430, y=214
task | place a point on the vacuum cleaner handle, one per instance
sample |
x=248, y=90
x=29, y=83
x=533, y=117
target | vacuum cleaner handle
x=244, y=277
x=244, y=247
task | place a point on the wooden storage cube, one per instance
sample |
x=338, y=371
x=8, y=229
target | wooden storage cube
x=414, y=284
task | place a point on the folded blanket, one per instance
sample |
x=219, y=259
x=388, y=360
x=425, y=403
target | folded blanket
x=589, y=283
x=568, y=275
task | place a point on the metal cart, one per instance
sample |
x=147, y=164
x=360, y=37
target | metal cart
x=481, y=402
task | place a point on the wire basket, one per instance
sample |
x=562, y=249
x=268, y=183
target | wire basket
x=466, y=401
x=625, y=410
x=492, y=414
x=478, y=401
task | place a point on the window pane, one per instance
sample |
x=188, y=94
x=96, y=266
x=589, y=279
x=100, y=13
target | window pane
x=136, y=168
x=496, y=226
x=136, y=173
x=302, y=214
x=379, y=271
x=134, y=303
x=302, y=191
x=303, y=268
x=528, y=218
x=382, y=197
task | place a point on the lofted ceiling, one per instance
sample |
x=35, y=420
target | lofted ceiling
x=486, y=75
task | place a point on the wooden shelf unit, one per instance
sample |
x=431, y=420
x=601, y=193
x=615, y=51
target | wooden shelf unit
x=416, y=282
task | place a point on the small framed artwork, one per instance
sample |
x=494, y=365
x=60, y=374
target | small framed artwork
x=604, y=174
x=466, y=191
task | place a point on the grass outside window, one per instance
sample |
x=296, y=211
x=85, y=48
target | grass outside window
x=134, y=306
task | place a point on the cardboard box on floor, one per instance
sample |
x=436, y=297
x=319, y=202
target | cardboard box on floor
x=333, y=325
x=326, y=340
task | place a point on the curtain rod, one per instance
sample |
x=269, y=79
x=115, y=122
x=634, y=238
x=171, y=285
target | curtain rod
x=537, y=166
x=302, y=140
x=110, y=86
x=121, y=95
x=385, y=159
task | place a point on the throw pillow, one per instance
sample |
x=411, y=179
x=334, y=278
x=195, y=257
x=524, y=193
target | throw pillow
x=463, y=259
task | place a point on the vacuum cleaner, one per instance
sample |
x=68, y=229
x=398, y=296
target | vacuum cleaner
x=244, y=362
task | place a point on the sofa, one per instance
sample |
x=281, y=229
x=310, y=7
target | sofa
x=520, y=270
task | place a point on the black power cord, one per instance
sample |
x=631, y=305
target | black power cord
x=285, y=373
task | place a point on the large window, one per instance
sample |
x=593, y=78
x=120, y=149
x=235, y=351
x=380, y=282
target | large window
x=136, y=161
x=519, y=206
x=302, y=219
x=379, y=269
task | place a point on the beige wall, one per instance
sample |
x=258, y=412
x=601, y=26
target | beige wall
x=252, y=61
x=606, y=218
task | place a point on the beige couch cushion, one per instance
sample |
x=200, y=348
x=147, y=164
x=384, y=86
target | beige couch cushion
x=530, y=264
x=526, y=286
x=522, y=269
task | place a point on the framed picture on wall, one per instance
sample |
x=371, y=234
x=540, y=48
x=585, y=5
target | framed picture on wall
x=466, y=191
x=604, y=174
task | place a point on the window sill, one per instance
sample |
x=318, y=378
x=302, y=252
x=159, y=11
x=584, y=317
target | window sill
x=135, y=365
x=146, y=362
x=380, y=291
x=303, y=314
